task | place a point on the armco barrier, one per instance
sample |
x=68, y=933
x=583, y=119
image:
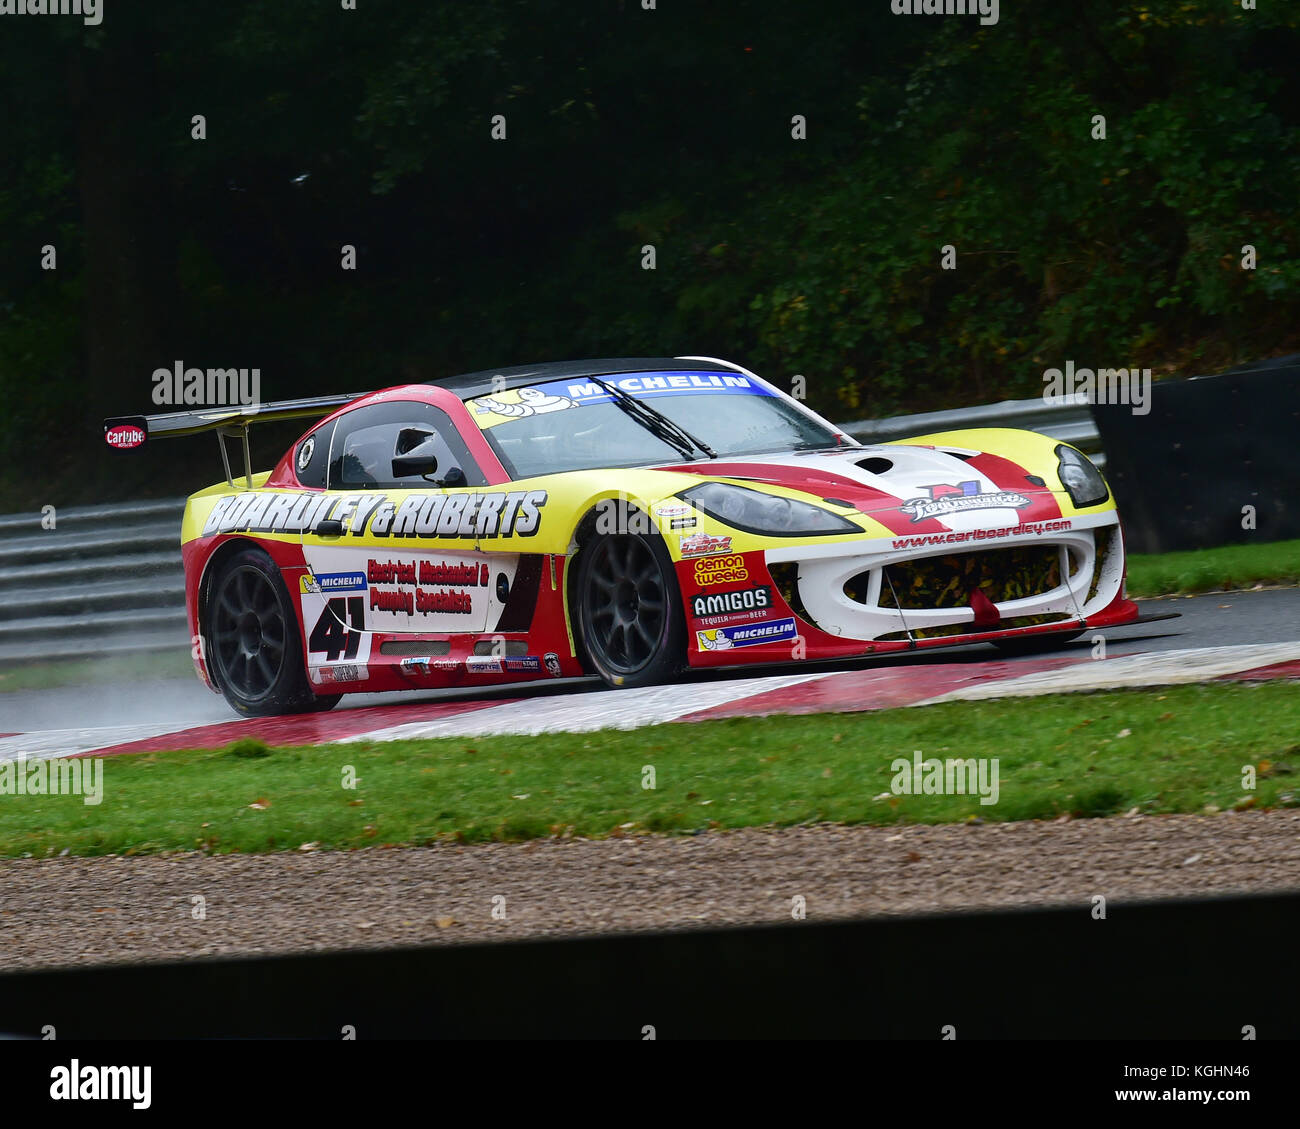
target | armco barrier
x=108, y=580
x=1211, y=446
x=1155, y=970
x=104, y=580
x=1070, y=422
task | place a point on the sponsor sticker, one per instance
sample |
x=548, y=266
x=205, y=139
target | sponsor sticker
x=420, y=514
x=733, y=600
x=721, y=570
x=964, y=496
x=125, y=434
x=746, y=635
x=483, y=664
x=958, y=537
x=455, y=603
x=552, y=661
x=682, y=523
x=523, y=663
x=424, y=601
x=704, y=545
x=672, y=509
x=561, y=395
x=336, y=582
x=652, y=384
x=344, y=672
x=523, y=402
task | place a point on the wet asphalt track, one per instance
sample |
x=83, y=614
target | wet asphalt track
x=1213, y=620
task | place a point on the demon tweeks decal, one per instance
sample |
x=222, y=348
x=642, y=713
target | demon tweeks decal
x=418, y=515
x=720, y=570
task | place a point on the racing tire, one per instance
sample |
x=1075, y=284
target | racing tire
x=253, y=645
x=629, y=614
x=1036, y=645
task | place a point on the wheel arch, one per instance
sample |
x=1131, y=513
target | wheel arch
x=585, y=532
x=212, y=568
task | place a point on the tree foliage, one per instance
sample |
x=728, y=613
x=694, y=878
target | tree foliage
x=627, y=127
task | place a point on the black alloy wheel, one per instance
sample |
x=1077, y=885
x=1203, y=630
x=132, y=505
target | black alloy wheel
x=630, y=617
x=254, y=651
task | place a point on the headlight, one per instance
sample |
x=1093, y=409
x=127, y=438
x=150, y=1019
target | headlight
x=1082, y=481
x=756, y=512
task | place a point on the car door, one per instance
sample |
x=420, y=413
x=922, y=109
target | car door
x=392, y=554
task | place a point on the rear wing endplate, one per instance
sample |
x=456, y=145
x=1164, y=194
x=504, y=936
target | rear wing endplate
x=125, y=433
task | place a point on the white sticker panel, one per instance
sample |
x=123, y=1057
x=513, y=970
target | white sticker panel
x=403, y=590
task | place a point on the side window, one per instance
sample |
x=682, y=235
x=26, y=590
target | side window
x=312, y=456
x=366, y=442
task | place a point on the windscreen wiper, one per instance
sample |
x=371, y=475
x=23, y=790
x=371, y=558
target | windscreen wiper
x=656, y=422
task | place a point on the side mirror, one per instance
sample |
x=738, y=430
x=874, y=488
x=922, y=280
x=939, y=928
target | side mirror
x=421, y=460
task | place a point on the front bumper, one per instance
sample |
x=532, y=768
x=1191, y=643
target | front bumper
x=849, y=594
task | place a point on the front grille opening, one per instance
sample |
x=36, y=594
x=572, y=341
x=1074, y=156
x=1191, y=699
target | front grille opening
x=511, y=648
x=946, y=582
x=415, y=647
x=785, y=577
x=1105, y=540
x=858, y=587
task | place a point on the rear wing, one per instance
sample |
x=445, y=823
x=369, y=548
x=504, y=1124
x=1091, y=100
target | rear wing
x=125, y=433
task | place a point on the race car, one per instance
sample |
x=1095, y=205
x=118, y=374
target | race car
x=627, y=518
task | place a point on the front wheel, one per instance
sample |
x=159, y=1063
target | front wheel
x=254, y=648
x=629, y=613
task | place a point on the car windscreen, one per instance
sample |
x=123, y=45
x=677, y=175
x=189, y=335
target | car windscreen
x=575, y=424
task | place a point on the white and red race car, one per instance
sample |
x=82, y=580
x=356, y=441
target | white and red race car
x=628, y=518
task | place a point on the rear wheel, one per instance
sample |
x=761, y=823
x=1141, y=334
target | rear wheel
x=254, y=648
x=629, y=613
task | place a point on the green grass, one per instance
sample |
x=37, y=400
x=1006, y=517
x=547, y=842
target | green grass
x=1212, y=570
x=1185, y=748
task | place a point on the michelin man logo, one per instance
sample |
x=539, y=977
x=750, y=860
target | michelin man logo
x=714, y=641
x=532, y=401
